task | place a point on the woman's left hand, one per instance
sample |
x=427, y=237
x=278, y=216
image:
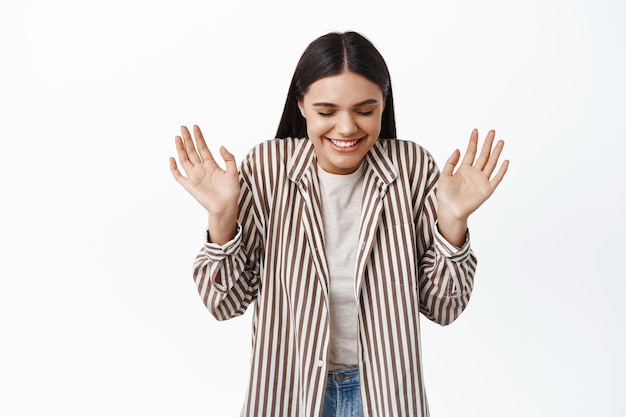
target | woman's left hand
x=460, y=193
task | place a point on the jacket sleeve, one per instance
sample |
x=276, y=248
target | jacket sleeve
x=227, y=276
x=446, y=273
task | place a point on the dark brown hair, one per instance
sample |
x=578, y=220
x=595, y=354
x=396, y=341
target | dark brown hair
x=330, y=55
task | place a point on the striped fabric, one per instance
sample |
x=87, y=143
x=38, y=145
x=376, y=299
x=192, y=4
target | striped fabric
x=277, y=259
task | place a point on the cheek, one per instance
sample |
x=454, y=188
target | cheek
x=371, y=125
x=317, y=126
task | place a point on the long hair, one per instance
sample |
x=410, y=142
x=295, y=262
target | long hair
x=330, y=55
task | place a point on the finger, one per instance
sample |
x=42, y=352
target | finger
x=192, y=154
x=182, y=154
x=448, y=168
x=205, y=154
x=470, y=153
x=175, y=172
x=485, y=150
x=493, y=159
x=229, y=159
x=500, y=175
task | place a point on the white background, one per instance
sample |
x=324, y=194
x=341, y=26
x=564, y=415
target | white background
x=99, y=315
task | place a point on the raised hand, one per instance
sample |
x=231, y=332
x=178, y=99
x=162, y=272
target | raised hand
x=460, y=193
x=216, y=189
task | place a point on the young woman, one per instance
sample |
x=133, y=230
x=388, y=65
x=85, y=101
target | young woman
x=339, y=234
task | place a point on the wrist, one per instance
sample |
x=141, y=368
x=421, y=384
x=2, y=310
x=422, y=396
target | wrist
x=451, y=227
x=222, y=228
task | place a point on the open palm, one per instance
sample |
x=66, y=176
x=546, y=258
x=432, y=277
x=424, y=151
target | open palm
x=463, y=191
x=216, y=189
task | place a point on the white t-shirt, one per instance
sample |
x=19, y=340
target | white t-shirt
x=341, y=210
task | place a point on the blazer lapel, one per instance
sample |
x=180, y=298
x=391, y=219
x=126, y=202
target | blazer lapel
x=379, y=174
x=302, y=170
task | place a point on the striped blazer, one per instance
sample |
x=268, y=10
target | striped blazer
x=276, y=262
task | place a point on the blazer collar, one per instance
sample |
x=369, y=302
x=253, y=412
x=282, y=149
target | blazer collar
x=303, y=161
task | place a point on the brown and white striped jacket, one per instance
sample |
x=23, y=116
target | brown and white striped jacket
x=277, y=259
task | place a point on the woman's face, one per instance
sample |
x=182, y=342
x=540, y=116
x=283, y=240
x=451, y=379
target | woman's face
x=343, y=115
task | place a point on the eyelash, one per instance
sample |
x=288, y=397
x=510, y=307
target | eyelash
x=362, y=113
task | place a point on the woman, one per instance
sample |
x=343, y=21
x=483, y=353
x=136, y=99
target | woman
x=341, y=234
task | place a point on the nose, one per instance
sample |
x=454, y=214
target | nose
x=346, y=124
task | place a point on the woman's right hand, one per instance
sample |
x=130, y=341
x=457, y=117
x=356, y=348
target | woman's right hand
x=217, y=190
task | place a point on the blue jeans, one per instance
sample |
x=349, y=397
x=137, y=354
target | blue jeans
x=343, y=394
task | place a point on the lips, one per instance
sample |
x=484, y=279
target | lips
x=344, y=144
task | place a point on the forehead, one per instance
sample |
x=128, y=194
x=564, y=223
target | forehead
x=343, y=89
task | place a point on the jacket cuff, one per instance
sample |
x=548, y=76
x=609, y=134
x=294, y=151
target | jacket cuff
x=449, y=250
x=216, y=252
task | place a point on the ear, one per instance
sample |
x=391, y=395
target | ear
x=301, y=107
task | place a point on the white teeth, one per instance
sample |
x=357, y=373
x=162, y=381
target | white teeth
x=344, y=143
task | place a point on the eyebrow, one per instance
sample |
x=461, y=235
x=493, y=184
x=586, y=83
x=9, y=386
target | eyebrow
x=362, y=103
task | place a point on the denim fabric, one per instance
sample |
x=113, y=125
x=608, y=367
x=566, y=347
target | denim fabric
x=343, y=394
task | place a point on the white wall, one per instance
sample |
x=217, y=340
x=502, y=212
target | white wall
x=98, y=312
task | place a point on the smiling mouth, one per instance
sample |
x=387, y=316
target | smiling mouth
x=344, y=143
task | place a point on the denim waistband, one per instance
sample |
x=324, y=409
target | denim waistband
x=346, y=377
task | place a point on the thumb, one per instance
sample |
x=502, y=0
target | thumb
x=229, y=159
x=448, y=168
